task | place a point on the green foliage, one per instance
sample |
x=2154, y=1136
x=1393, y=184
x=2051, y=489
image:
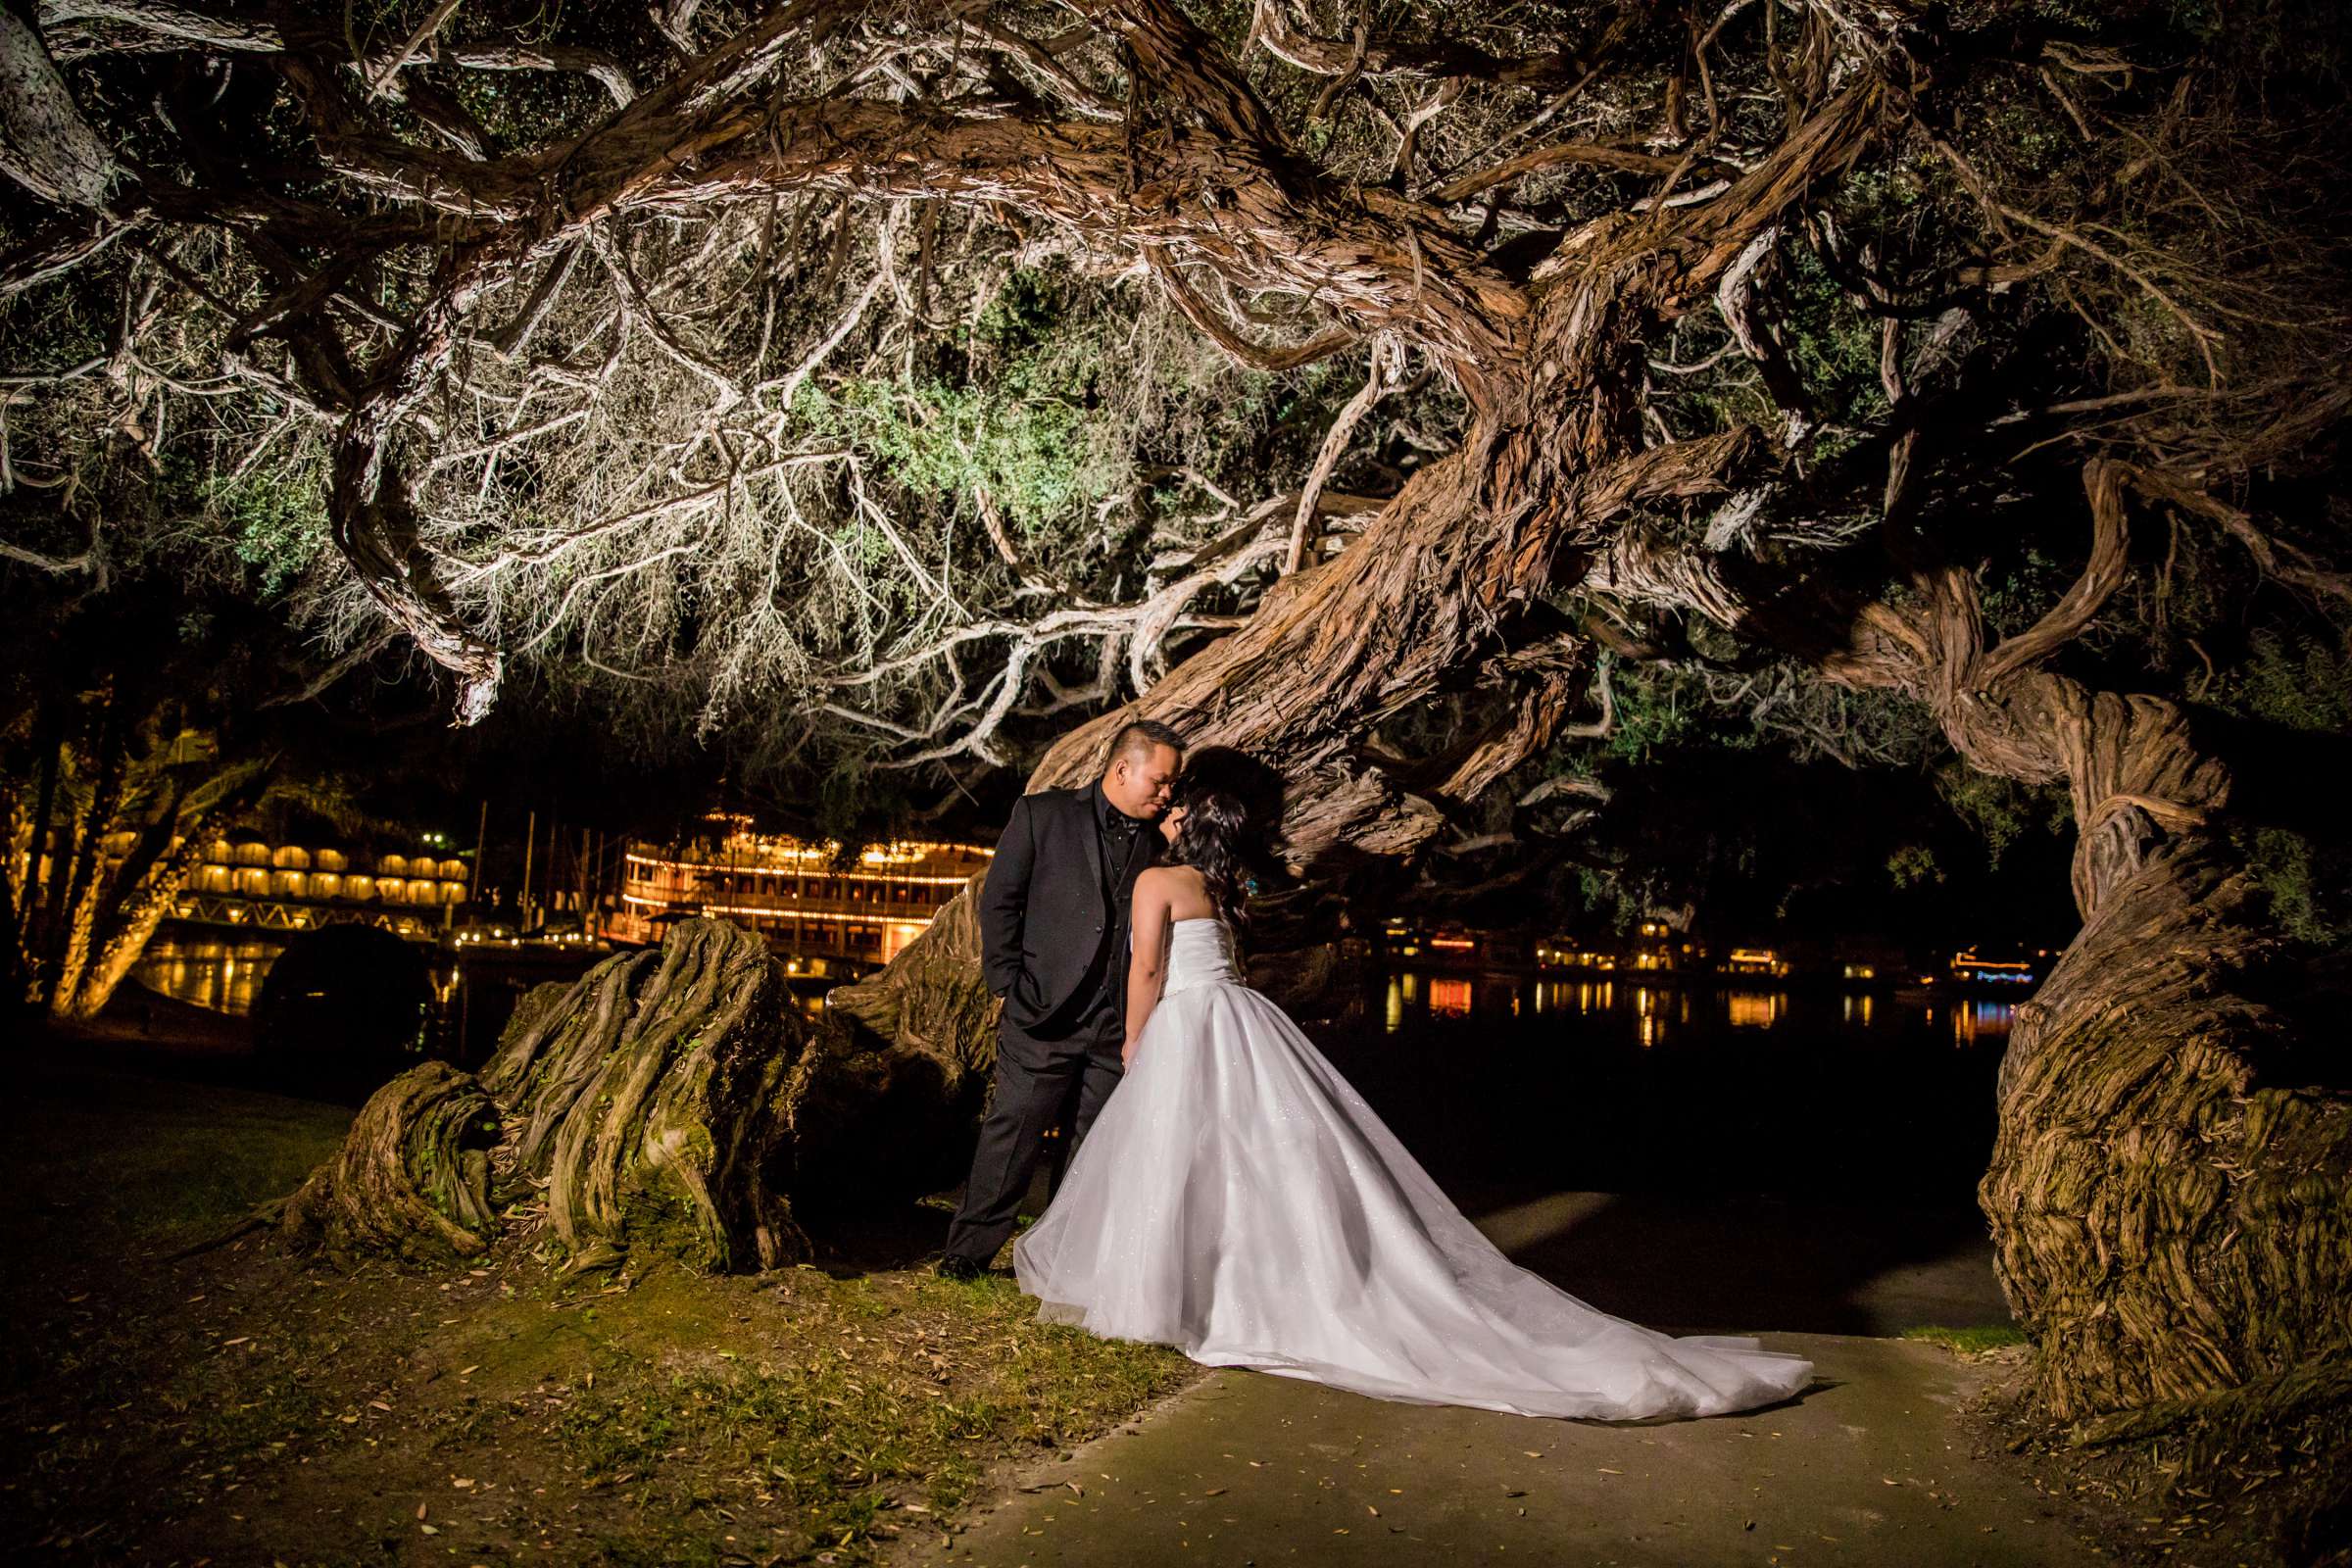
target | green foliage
x=2034, y=135
x=1030, y=414
x=2017, y=595
x=1654, y=711
x=1832, y=347
x=1912, y=865
x=2001, y=811
x=1026, y=312
x=1034, y=452
x=1611, y=895
x=528, y=109
x=2297, y=681
x=2308, y=882
x=274, y=520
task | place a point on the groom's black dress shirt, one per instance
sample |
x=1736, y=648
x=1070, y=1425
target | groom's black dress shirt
x=1105, y=983
x=1054, y=910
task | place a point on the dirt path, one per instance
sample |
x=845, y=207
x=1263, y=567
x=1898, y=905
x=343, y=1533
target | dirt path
x=1875, y=1465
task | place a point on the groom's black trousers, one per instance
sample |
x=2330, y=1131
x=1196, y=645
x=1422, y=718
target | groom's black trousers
x=1040, y=1084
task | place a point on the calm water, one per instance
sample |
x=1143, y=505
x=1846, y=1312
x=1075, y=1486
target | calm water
x=1654, y=1014
x=221, y=973
x=225, y=975
x=1504, y=1084
x=1509, y=1084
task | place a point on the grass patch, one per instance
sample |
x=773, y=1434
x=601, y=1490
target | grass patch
x=864, y=1404
x=1977, y=1341
x=249, y=1405
x=197, y=1156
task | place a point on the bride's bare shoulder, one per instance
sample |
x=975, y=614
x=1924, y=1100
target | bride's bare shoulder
x=1182, y=889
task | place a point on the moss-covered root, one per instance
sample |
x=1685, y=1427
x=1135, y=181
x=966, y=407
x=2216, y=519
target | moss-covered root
x=412, y=1179
x=653, y=1101
x=2268, y=1451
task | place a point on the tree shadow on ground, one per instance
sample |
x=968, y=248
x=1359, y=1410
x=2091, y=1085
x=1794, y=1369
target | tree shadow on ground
x=1685, y=1263
x=1747, y=1264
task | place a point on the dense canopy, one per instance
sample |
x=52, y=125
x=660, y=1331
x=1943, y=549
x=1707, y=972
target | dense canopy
x=895, y=384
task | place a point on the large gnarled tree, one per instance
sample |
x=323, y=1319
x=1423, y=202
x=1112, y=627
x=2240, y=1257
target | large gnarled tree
x=1770, y=322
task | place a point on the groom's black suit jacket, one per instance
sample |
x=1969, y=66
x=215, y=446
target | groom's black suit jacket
x=1048, y=908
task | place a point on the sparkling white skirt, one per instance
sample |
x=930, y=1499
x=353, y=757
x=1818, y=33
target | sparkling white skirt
x=1236, y=1199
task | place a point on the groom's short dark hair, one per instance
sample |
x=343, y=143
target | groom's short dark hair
x=1137, y=737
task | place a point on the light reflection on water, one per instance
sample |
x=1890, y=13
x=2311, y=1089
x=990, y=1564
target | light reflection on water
x=1624, y=1083
x=1652, y=1015
x=222, y=974
x=227, y=975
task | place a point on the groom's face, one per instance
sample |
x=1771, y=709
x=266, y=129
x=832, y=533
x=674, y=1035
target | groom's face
x=1140, y=783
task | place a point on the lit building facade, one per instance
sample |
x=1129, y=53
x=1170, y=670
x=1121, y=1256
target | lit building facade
x=290, y=887
x=822, y=916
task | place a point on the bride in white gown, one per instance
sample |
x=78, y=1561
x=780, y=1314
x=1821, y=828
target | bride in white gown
x=1236, y=1199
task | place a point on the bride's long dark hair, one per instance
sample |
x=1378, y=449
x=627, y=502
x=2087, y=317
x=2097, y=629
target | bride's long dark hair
x=1222, y=834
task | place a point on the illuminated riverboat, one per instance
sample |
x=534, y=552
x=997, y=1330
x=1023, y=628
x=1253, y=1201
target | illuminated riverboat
x=824, y=911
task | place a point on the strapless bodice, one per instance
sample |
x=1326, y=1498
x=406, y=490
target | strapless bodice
x=1199, y=953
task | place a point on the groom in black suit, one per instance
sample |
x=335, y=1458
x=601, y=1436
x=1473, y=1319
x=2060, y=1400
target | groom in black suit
x=1053, y=945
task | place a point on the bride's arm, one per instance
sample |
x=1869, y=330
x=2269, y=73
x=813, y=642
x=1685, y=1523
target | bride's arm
x=1148, y=930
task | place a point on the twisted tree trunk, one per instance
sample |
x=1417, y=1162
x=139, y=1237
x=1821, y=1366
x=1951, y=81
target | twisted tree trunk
x=655, y=1103
x=672, y=1103
x=413, y=1178
x=2167, y=1192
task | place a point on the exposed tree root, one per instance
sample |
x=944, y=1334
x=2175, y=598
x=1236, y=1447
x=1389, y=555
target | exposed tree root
x=672, y=1102
x=654, y=1100
x=413, y=1178
x=2254, y=1471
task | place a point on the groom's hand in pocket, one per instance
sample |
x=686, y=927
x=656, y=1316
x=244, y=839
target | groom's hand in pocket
x=1021, y=1001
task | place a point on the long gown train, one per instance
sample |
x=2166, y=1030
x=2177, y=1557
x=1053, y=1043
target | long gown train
x=1238, y=1200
